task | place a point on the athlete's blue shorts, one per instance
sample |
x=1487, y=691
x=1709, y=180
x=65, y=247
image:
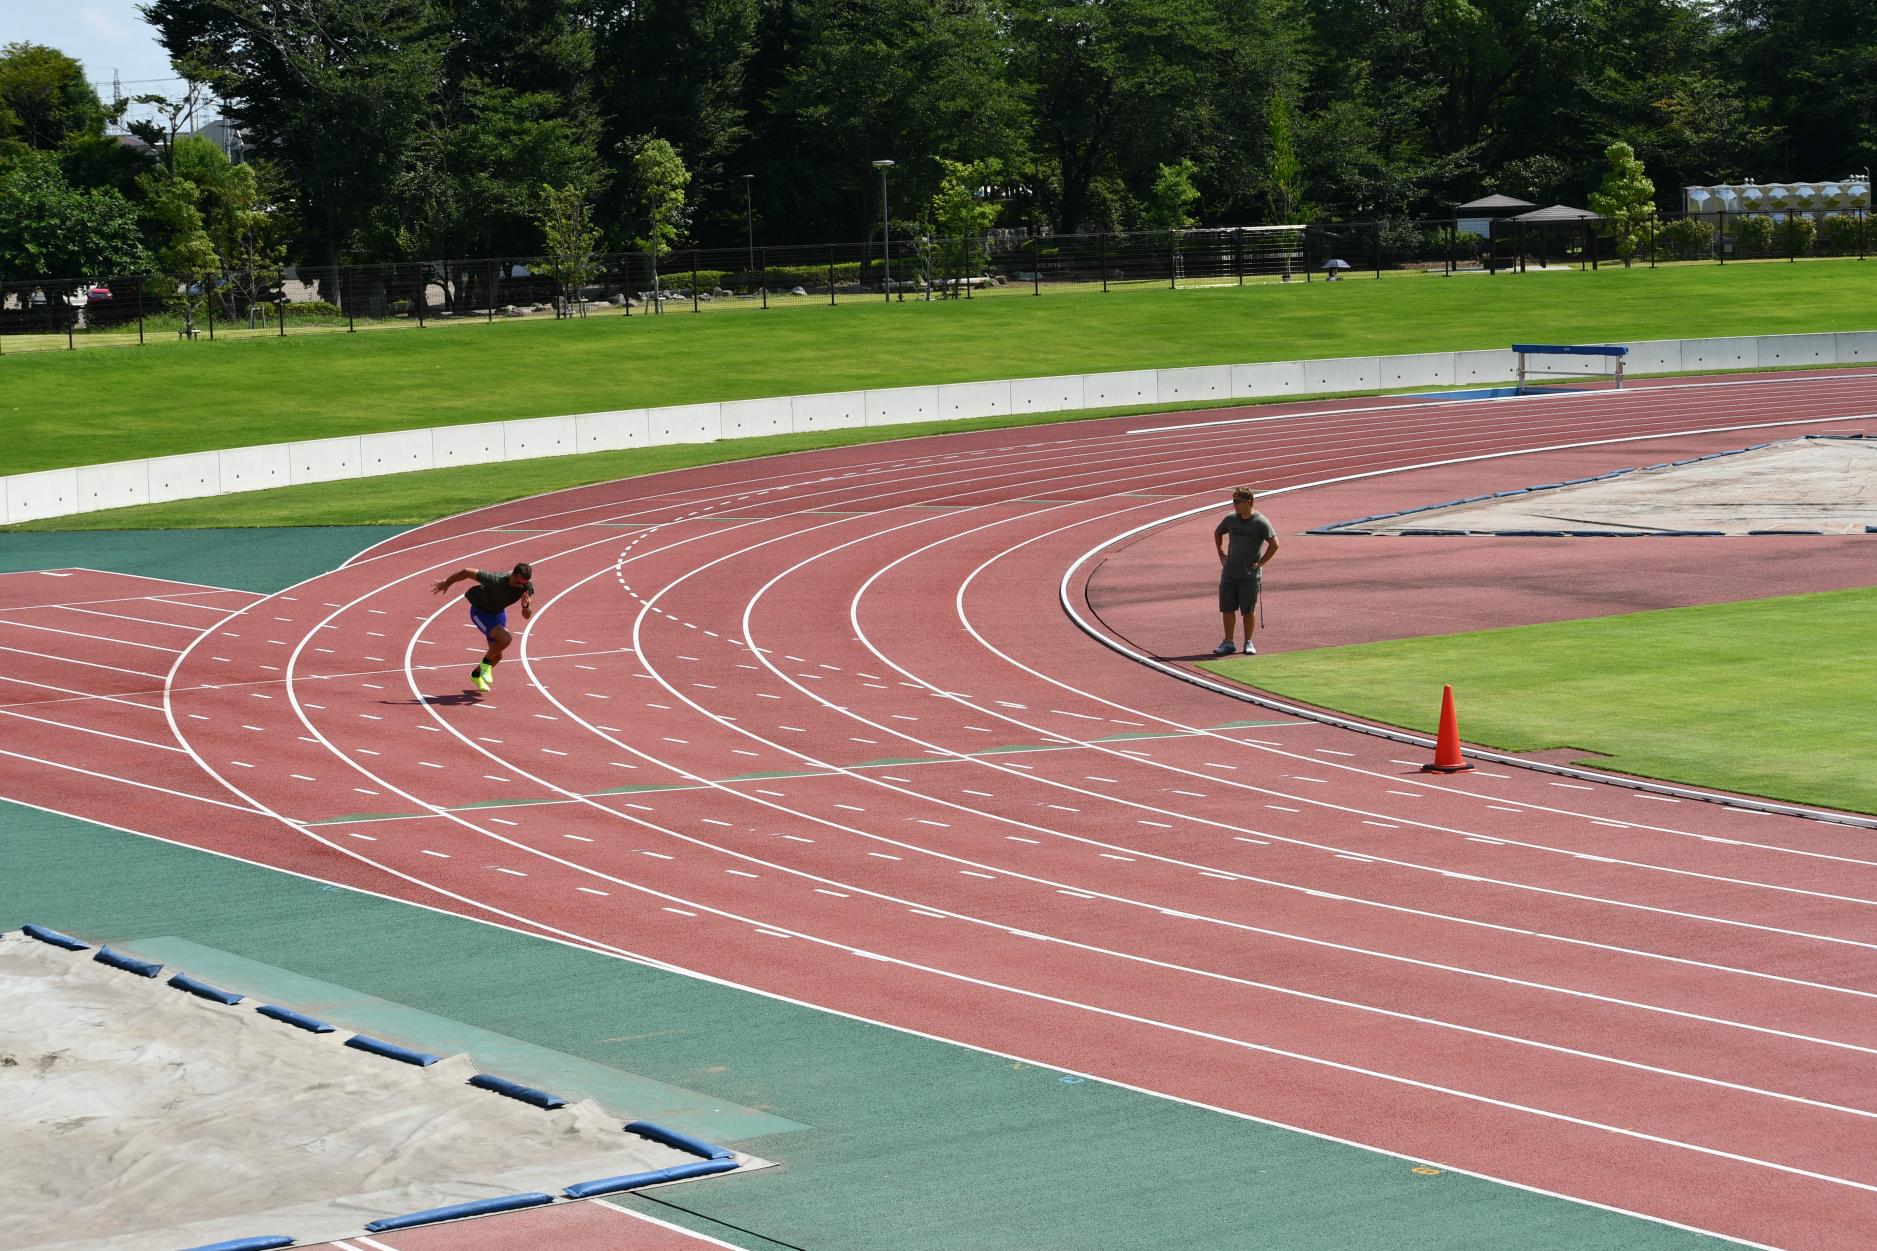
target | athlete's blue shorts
x=486, y=621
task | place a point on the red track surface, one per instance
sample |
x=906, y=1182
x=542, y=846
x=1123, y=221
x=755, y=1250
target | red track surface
x=1657, y=1006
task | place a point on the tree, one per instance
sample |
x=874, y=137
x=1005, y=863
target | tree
x=1169, y=207
x=901, y=80
x=569, y=238
x=332, y=89
x=1626, y=200
x=186, y=252
x=961, y=212
x=660, y=180
x=50, y=229
x=679, y=68
x=45, y=97
x=1284, y=175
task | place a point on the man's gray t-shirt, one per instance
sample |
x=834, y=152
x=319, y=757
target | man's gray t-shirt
x=1246, y=543
x=491, y=592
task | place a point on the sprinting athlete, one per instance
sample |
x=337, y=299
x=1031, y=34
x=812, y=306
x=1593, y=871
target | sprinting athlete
x=489, y=599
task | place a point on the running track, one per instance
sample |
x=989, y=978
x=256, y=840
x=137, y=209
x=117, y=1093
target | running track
x=820, y=726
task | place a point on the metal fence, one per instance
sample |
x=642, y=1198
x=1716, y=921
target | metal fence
x=102, y=310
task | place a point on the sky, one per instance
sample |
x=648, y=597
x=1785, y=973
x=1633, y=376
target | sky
x=102, y=35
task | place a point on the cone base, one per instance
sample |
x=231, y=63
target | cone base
x=1441, y=768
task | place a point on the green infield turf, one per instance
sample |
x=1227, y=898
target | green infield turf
x=1767, y=697
x=72, y=408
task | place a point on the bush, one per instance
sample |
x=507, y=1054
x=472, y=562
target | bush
x=314, y=310
x=1687, y=239
x=1796, y=235
x=776, y=277
x=1752, y=234
x=1844, y=233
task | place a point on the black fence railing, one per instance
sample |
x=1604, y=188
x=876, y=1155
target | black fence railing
x=130, y=309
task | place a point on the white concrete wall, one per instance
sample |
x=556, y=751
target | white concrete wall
x=59, y=492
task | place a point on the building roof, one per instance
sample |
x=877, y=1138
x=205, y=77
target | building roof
x=1558, y=213
x=1492, y=203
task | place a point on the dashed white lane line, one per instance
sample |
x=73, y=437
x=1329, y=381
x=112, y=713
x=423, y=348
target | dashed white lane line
x=974, y=873
x=588, y=890
x=578, y=838
x=822, y=890
x=1018, y=838
x=658, y=855
x=1406, y=794
x=740, y=873
x=1282, y=808
x=1570, y=786
x=1158, y=825
x=439, y=855
x=511, y=872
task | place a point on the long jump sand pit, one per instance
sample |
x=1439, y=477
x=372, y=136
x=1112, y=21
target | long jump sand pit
x=1818, y=484
x=135, y=1115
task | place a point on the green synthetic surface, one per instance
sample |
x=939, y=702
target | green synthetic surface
x=61, y=408
x=246, y=560
x=907, y=1143
x=1771, y=697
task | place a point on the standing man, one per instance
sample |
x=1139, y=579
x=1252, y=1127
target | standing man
x=489, y=599
x=1253, y=542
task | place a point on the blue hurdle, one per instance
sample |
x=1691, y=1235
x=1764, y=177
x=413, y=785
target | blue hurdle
x=1613, y=352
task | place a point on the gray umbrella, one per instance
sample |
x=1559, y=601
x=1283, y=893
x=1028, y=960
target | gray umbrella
x=1336, y=265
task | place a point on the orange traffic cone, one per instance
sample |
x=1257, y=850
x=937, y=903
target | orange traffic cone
x=1447, y=757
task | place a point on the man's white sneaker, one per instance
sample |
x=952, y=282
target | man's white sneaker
x=1224, y=649
x=1251, y=648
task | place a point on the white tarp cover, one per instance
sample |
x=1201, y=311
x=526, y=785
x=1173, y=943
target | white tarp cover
x=135, y=1116
x=1824, y=484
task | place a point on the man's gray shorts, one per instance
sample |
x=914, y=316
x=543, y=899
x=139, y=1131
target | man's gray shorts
x=1238, y=594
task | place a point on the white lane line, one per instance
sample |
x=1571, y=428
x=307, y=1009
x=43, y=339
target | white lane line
x=82, y=729
x=96, y=638
x=86, y=664
x=147, y=786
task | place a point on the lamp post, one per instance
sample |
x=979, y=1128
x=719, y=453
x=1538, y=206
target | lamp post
x=749, y=219
x=886, y=235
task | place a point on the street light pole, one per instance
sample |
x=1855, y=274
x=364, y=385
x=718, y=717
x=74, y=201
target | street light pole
x=886, y=234
x=749, y=218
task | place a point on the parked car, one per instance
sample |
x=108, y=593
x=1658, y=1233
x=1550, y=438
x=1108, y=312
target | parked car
x=99, y=292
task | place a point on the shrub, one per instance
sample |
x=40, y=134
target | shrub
x=1844, y=232
x=1752, y=234
x=1796, y=235
x=314, y=310
x=1686, y=239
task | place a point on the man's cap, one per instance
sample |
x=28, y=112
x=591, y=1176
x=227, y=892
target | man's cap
x=526, y=570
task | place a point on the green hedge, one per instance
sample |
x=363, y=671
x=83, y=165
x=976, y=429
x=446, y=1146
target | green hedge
x=673, y=273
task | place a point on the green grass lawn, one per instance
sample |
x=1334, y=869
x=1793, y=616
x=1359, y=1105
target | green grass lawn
x=73, y=408
x=1774, y=697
